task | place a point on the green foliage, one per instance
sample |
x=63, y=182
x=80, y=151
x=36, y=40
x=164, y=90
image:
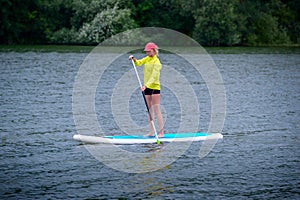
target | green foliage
x=86, y=10
x=64, y=36
x=210, y=22
x=216, y=23
x=17, y=21
x=93, y=21
x=172, y=14
x=104, y=25
x=265, y=23
x=267, y=31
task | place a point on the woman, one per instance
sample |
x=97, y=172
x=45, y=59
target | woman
x=151, y=87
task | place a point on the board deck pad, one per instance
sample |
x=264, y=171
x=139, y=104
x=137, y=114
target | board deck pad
x=140, y=139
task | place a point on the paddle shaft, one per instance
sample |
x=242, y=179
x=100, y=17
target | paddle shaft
x=144, y=96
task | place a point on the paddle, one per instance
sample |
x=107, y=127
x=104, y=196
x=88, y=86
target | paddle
x=150, y=116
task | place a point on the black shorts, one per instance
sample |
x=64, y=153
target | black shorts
x=149, y=91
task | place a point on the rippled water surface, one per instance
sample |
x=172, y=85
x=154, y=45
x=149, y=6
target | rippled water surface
x=259, y=157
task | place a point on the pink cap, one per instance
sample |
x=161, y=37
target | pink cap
x=149, y=46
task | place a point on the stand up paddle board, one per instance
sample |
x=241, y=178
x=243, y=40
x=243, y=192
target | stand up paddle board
x=138, y=139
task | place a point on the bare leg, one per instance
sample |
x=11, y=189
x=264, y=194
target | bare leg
x=149, y=102
x=156, y=106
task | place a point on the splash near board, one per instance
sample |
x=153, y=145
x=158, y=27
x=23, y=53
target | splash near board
x=139, y=139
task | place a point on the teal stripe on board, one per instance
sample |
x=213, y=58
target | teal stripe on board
x=167, y=135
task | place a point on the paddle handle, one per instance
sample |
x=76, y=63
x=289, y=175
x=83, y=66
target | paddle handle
x=144, y=96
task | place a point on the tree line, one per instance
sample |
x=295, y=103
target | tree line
x=210, y=22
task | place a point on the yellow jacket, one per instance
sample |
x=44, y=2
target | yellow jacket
x=152, y=67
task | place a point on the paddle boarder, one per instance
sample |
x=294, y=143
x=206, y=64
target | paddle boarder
x=151, y=87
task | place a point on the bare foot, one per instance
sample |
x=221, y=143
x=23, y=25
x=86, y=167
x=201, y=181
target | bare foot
x=161, y=134
x=149, y=135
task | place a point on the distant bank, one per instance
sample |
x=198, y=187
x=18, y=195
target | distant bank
x=212, y=50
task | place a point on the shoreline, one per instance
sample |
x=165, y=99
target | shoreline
x=210, y=50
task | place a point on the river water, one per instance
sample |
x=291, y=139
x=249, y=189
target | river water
x=259, y=157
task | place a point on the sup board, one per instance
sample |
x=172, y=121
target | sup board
x=139, y=139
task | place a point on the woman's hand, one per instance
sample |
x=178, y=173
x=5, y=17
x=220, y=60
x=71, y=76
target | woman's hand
x=131, y=57
x=143, y=88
